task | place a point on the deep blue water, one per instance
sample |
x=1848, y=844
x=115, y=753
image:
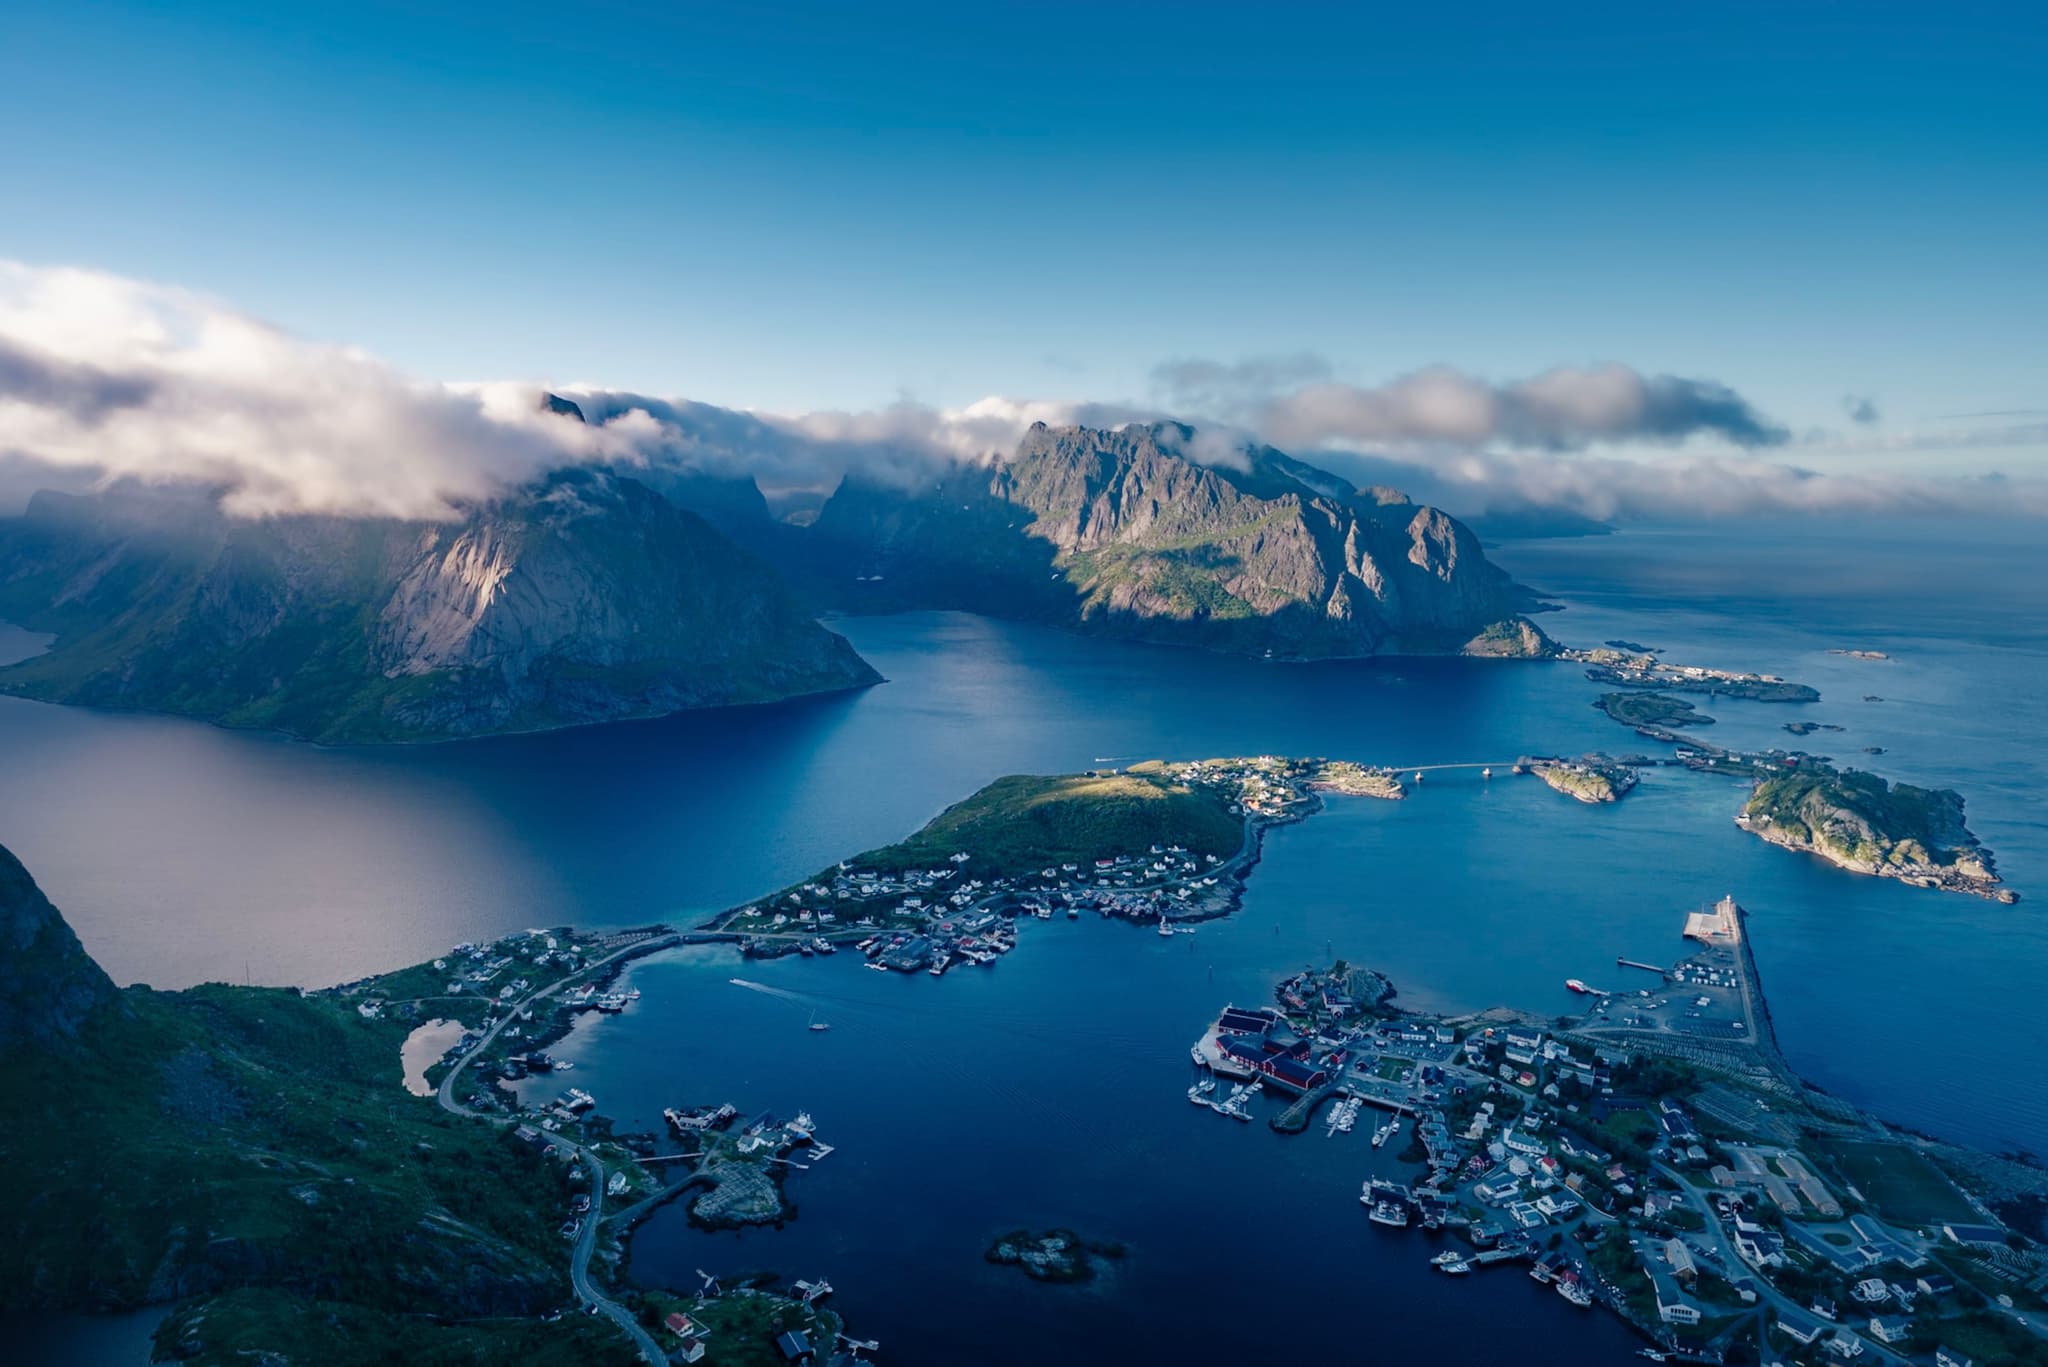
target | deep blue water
x=1048, y=1089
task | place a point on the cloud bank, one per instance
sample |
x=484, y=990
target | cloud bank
x=105, y=378
x=132, y=380
x=1566, y=409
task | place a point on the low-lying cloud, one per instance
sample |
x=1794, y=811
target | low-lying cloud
x=140, y=381
x=105, y=378
x=1292, y=403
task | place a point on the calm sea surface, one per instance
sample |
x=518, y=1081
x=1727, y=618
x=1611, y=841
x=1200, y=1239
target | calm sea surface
x=1047, y=1090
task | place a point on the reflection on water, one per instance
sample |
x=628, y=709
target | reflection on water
x=426, y=1046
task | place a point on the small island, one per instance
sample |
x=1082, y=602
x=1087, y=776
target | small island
x=1591, y=779
x=1651, y=709
x=1858, y=821
x=1356, y=780
x=1627, y=669
x=1053, y=1255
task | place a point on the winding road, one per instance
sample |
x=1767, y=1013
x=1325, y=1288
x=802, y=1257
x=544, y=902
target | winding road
x=586, y=1238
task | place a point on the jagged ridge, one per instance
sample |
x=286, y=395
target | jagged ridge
x=586, y=598
x=1123, y=531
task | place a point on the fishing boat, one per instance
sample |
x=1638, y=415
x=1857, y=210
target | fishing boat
x=1389, y=1213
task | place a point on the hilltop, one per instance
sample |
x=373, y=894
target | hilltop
x=1024, y=822
x=584, y=598
x=249, y=1152
x=1127, y=533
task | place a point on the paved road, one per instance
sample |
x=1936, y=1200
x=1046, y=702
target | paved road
x=1768, y=1295
x=586, y=1239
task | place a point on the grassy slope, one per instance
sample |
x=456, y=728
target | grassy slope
x=1023, y=823
x=251, y=1138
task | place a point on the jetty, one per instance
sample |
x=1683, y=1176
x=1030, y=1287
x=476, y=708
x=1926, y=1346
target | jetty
x=1620, y=962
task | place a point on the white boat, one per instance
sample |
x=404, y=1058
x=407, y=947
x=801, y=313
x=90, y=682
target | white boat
x=1164, y=929
x=1446, y=1258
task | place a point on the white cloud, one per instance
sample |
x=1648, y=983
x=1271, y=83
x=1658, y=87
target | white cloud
x=103, y=377
x=127, y=379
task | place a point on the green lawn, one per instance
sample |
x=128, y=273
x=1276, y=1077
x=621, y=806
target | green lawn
x=1901, y=1182
x=1024, y=822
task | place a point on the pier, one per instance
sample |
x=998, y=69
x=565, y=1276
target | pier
x=1620, y=962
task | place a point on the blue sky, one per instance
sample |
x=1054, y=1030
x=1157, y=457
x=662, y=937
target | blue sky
x=799, y=206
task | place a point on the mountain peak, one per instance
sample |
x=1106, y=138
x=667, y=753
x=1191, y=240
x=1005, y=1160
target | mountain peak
x=48, y=983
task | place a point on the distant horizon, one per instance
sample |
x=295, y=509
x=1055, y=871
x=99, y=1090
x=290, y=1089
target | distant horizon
x=1802, y=235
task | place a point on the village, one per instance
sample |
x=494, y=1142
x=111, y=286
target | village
x=516, y=996
x=963, y=913
x=963, y=908
x=1653, y=1156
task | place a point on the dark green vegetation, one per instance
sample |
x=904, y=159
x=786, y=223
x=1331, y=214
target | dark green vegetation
x=1651, y=709
x=230, y=1328
x=1860, y=822
x=740, y=1326
x=1902, y=1183
x=1051, y=1255
x=1026, y=822
x=1126, y=533
x=585, y=598
x=250, y=1151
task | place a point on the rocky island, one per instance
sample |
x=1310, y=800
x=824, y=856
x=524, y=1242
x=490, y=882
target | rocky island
x=1858, y=821
x=1651, y=709
x=1053, y=1255
x=1628, y=669
x=1588, y=780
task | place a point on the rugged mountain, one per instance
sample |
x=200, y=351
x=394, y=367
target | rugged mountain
x=1126, y=532
x=48, y=985
x=584, y=598
x=248, y=1153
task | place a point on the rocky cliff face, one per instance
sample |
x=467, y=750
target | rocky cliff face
x=586, y=598
x=48, y=985
x=1125, y=532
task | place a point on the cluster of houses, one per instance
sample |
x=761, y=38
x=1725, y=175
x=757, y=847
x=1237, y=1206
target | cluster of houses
x=1513, y=1112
